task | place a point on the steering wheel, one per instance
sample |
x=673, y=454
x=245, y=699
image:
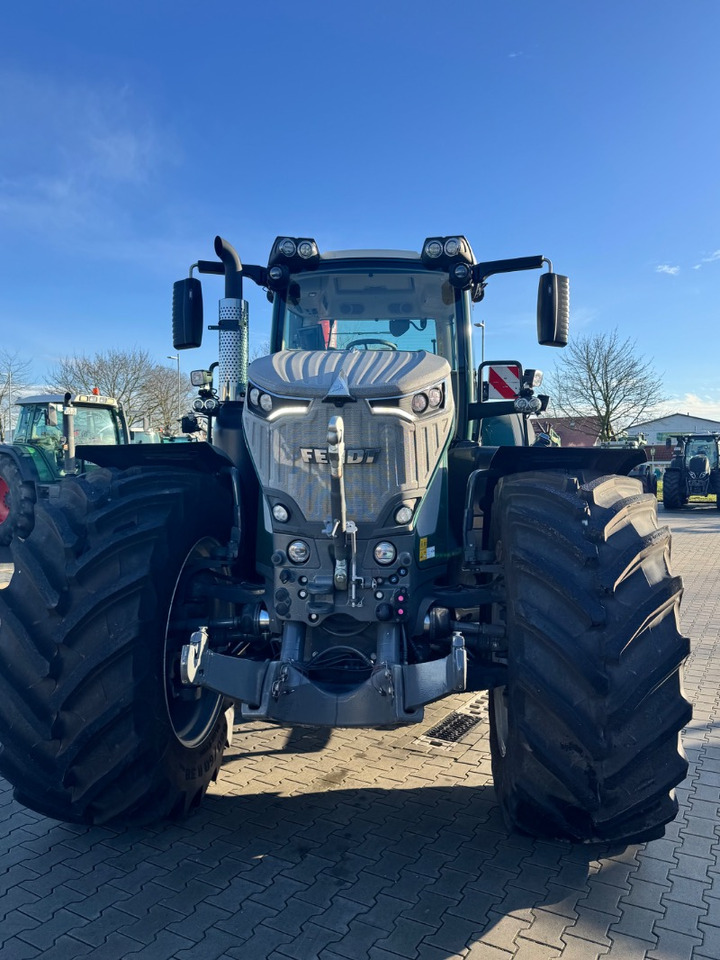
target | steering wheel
x=367, y=342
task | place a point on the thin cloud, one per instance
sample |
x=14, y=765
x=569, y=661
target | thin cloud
x=72, y=154
x=666, y=268
x=707, y=407
x=711, y=259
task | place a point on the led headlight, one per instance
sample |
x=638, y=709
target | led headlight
x=452, y=247
x=461, y=272
x=298, y=551
x=403, y=515
x=306, y=249
x=419, y=403
x=384, y=552
x=434, y=249
x=287, y=247
x=254, y=396
x=281, y=513
x=434, y=396
x=266, y=402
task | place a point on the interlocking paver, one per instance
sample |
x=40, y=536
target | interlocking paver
x=577, y=948
x=674, y=946
x=686, y=890
x=405, y=938
x=340, y=914
x=547, y=928
x=370, y=845
x=22, y=950
x=502, y=931
x=710, y=946
x=357, y=941
x=682, y=918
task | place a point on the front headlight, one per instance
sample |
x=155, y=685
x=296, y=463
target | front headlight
x=298, y=551
x=419, y=403
x=384, y=552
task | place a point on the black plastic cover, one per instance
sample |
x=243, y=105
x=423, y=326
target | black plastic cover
x=553, y=310
x=187, y=313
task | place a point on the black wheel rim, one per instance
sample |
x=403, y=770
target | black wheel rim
x=192, y=710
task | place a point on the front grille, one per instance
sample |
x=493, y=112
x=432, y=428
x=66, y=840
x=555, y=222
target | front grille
x=407, y=455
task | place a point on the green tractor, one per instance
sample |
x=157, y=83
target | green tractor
x=365, y=534
x=694, y=470
x=48, y=429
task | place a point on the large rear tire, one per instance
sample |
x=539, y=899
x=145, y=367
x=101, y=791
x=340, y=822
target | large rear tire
x=95, y=725
x=673, y=494
x=17, y=502
x=585, y=736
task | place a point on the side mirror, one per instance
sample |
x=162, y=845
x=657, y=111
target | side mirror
x=187, y=313
x=553, y=310
x=189, y=424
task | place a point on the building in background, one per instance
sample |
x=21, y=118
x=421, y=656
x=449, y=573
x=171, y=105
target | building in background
x=657, y=431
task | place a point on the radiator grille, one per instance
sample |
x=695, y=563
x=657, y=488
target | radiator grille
x=408, y=454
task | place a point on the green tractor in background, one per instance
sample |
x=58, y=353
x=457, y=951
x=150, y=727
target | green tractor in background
x=48, y=429
x=365, y=534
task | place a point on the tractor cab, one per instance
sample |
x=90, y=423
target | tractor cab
x=44, y=424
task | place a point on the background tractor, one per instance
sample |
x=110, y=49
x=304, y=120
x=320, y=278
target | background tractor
x=366, y=534
x=694, y=470
x=43, y=450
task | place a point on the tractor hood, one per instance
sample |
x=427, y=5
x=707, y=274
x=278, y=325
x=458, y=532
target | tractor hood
x=394, y=438
x=367, y=373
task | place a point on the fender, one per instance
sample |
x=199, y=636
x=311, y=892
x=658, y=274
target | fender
x=29, y=461
x=194, y=456
x=484, y=466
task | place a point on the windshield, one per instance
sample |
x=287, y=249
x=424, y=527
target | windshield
x=702, y=448
x=362, y=309
x=46, y=424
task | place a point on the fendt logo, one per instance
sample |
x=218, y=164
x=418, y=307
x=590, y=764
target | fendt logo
x=355, y=455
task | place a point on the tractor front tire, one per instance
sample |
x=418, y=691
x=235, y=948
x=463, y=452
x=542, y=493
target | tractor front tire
x=17, y=502
x=585, y=735
x=95, y=725
x=673, y=493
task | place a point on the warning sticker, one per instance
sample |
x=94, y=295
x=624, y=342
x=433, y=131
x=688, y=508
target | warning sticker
x=426, y=552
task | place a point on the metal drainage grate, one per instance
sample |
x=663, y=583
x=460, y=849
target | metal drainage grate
x=452, y=727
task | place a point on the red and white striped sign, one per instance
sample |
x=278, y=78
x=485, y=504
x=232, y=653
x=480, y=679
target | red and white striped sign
x=503, y=382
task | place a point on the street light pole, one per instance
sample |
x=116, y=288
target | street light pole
x=179, y=415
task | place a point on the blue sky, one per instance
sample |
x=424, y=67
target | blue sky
x=133, y=133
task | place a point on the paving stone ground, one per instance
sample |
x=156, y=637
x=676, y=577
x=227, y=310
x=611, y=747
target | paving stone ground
x=351, y=845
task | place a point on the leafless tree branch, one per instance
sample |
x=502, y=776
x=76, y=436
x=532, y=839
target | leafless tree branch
x=605, y=377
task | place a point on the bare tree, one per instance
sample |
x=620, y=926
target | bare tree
x=604, y=377
x=167, y=398
x=14, y=380
x=147, y=390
